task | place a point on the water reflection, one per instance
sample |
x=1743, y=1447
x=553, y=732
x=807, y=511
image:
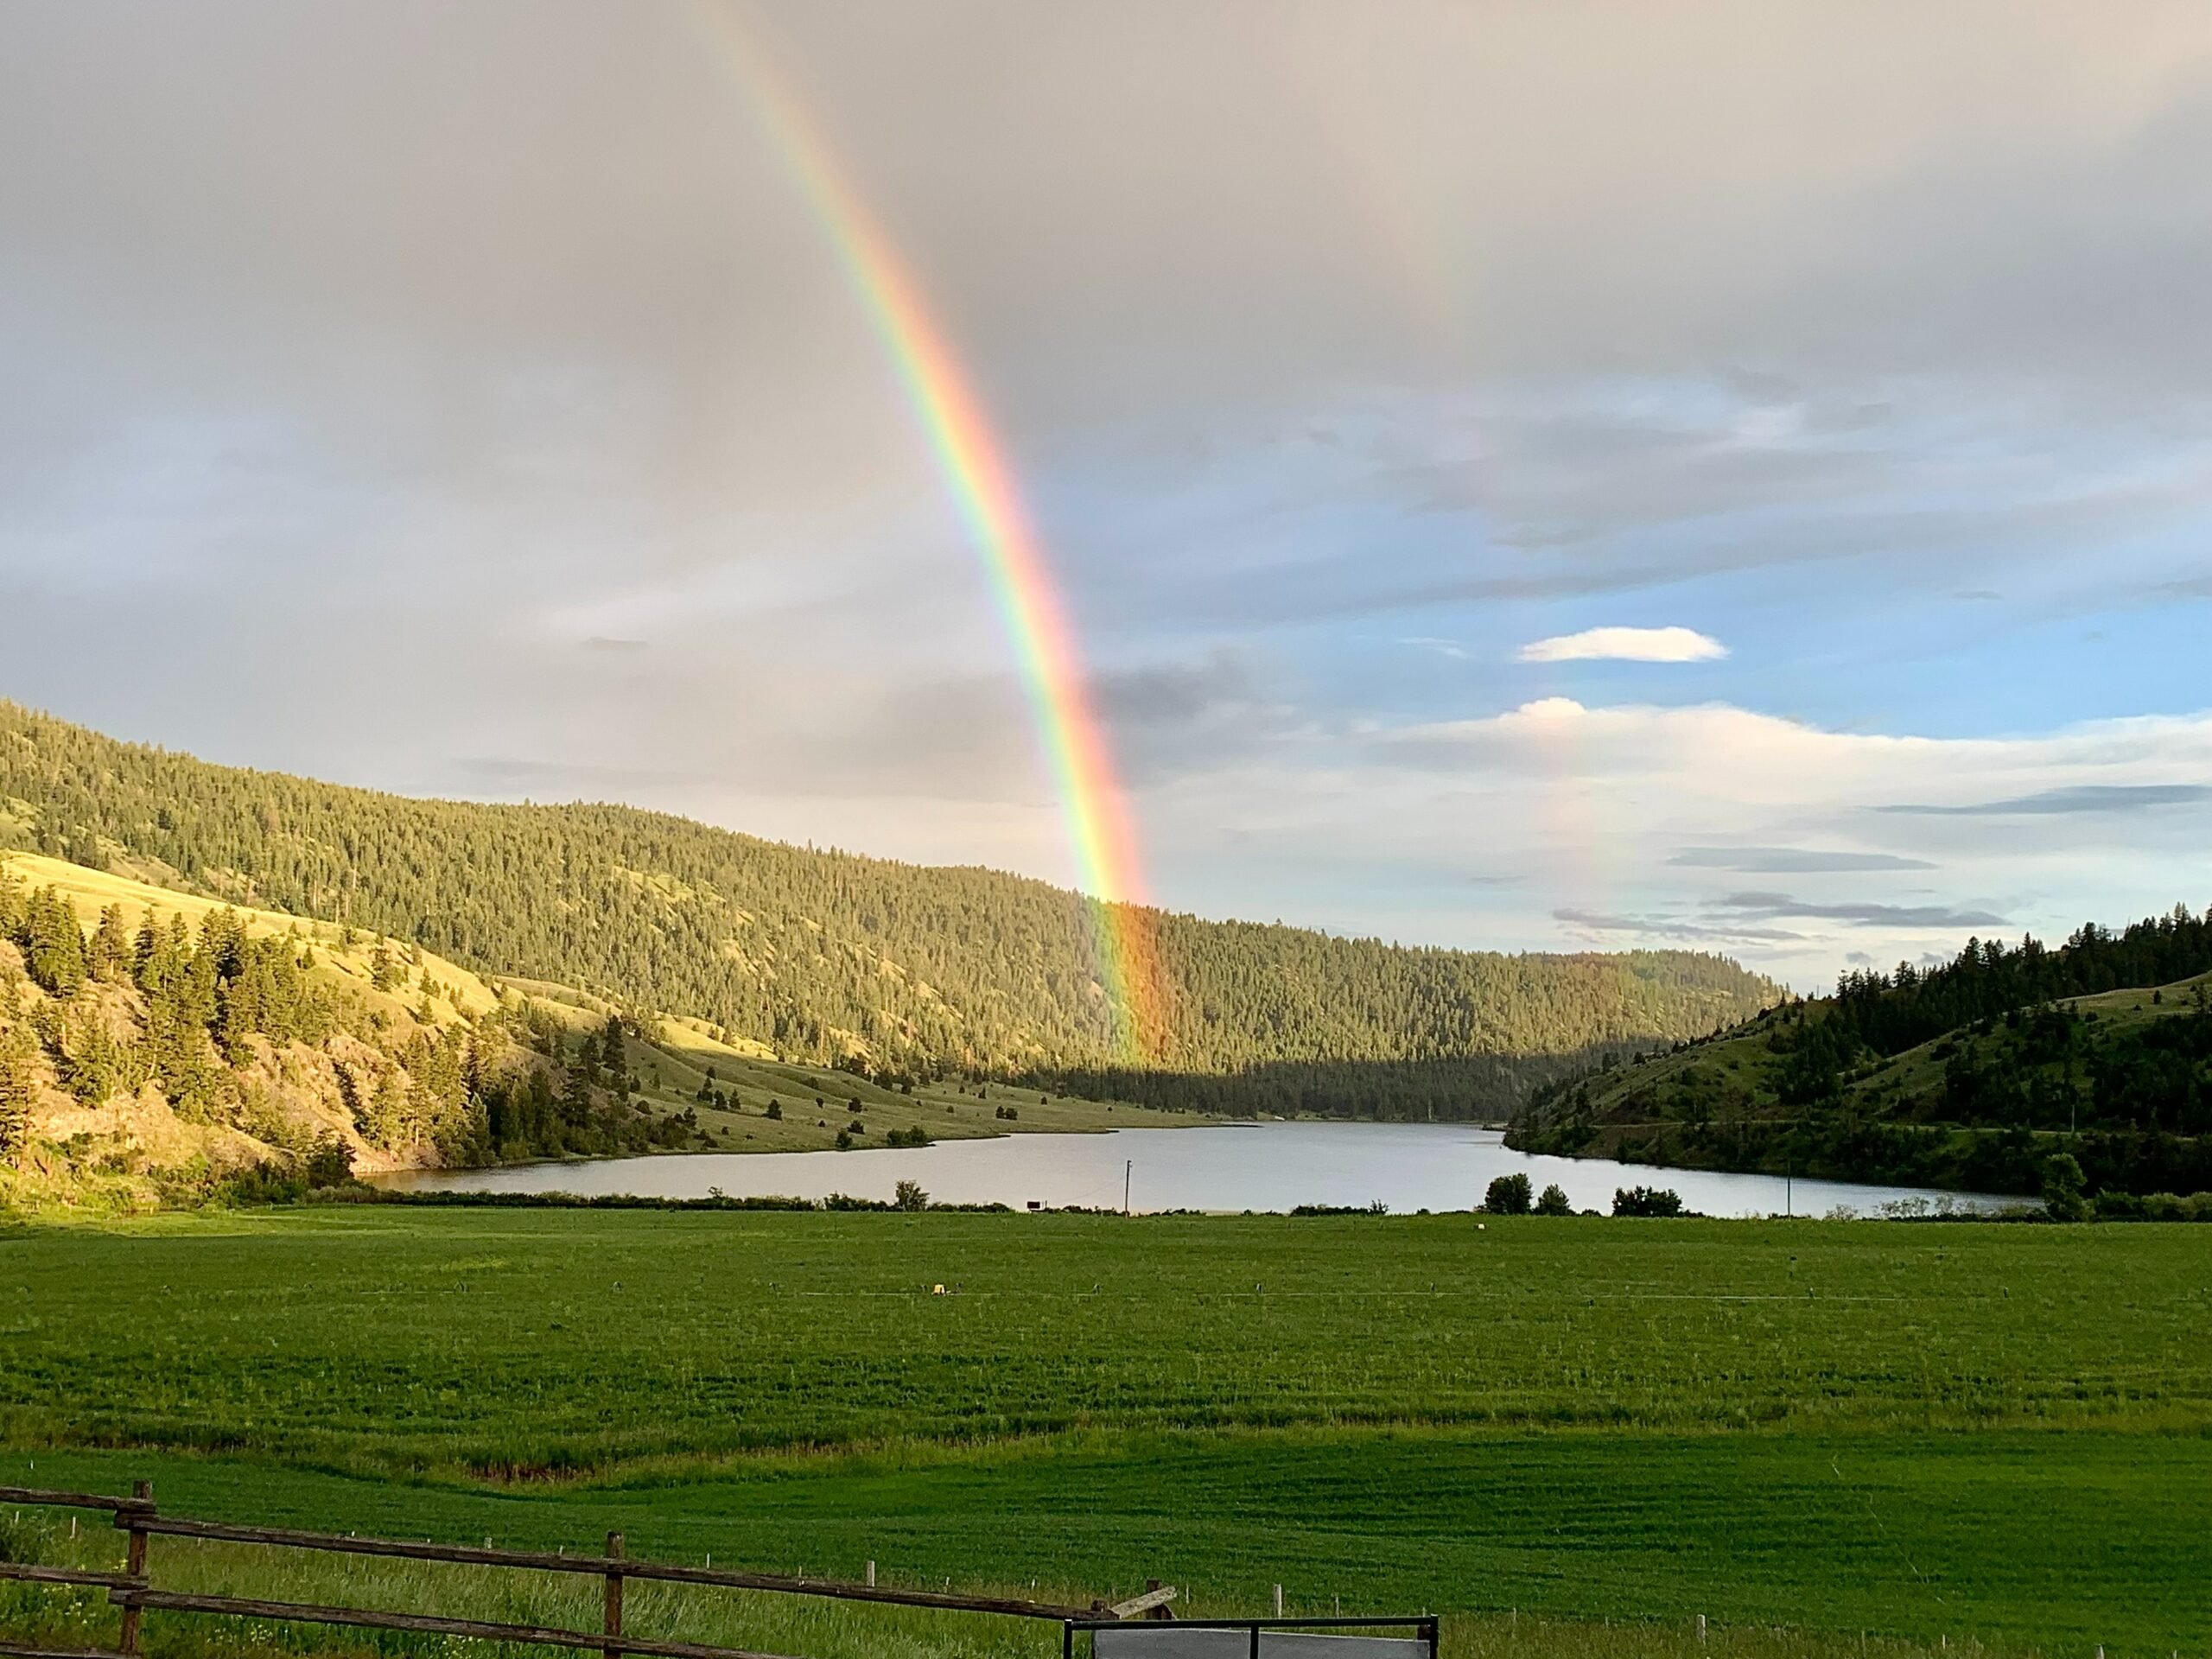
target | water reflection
x=1405, y=1167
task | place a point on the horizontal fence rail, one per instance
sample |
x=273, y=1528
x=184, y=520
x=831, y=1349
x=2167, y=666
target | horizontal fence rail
x=34, y=1572
x=611, y=1566
x=40, y=1498
x=133, y=1591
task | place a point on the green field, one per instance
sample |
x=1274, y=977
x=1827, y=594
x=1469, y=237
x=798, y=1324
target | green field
x=1935, y=1431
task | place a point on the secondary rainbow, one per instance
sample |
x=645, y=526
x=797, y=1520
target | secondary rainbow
x=976, y=477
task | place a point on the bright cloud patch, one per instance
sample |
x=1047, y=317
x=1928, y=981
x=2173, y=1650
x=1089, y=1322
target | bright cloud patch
x=1633, y=824
x=1625, y=646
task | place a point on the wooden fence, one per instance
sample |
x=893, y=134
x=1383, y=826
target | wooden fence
x=132, y=1590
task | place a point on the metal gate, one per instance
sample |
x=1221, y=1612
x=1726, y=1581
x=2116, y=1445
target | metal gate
x=1256, y=1638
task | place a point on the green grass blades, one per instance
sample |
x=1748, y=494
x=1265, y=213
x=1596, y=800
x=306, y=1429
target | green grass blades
x=519, y=1342
x=2018, y=1537
x=1938, y=1432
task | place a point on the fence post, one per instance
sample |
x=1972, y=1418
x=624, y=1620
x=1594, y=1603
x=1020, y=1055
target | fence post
x=134, y=1561
x=613, y=1625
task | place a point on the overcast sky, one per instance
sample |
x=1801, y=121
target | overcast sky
x=1524, y=476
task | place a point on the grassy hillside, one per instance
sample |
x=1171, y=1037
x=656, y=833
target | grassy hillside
x=1973, y=1075
x=158, y=1044
x=828, y=958
x=1930, y=1432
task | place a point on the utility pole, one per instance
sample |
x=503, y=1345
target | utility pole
x=1127, y=1165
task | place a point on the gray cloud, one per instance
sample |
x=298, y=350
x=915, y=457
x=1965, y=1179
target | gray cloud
x=1780, y=906
x=1791, y=861
x=1670, y=927
x=384, y=369
x=1175, y=694
x=2078, y=797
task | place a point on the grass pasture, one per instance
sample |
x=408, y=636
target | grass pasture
x=1579, y=1433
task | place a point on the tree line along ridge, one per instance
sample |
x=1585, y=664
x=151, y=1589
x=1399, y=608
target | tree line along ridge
x=830, y=958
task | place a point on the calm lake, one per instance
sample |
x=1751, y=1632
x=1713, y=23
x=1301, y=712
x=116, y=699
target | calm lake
x=1408, y=1166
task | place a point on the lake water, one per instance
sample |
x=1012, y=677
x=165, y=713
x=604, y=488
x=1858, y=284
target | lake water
x=1408, y=1166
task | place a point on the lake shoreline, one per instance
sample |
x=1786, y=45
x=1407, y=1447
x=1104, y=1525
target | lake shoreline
x=1272, y=1167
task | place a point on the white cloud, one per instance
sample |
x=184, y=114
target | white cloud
x=1578, y=819
x=1625, y=646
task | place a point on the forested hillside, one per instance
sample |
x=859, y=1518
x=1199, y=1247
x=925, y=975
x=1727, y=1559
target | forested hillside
x=157, y=1046
x=827, y=958
x=1974, y=1074
x=161, y=1044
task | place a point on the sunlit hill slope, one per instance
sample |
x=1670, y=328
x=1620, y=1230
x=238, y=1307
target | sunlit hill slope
x=826, y=958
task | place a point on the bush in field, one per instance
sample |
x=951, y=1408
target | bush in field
x=1554, y=1202
x=908, y=1195
x=1647, y=1201
x=2062, y=1188
x=1508, y=1196
x=2153, y=1206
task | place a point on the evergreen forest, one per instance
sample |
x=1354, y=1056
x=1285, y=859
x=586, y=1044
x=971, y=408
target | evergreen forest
x=2080, y=1070
x=828, y=958
x=152, y=1046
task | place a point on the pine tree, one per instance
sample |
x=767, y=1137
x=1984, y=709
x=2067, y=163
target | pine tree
x=222, y=940
x=143, y=947
x=12, y=902
x=52, y=944
x=112, y=952
x=388, y=1124
x=18, y=1082
x=576, y=1099
x=178, y=987
x=93, y=1063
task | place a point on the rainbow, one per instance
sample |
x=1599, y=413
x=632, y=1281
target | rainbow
x=973, y=466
